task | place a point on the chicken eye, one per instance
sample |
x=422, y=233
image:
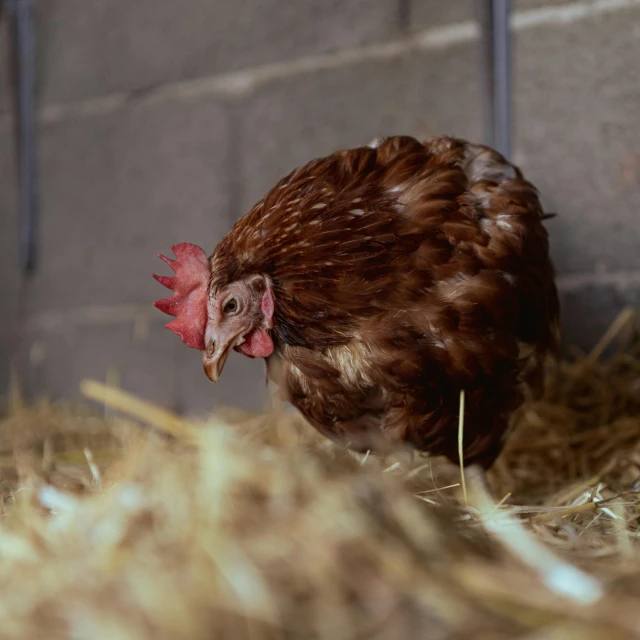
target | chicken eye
x=231, y=306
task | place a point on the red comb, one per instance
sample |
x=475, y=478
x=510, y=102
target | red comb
x=189, y=300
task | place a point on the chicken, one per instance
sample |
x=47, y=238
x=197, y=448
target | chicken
x=379, y=282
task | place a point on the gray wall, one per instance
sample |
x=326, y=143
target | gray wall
x=163, y=121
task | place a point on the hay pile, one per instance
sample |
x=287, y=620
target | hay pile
x=251, y=526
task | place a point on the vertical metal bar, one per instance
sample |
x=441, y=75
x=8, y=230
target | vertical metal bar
x=502, y=76
x=24, y=42
x=494, y=18
x=485, y=20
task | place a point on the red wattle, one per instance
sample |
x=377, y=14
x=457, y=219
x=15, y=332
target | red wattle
x=257, y=344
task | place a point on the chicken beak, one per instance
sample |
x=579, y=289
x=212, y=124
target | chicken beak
x=218, y=345
x=213, y=360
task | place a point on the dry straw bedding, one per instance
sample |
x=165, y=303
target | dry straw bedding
x=146, y=525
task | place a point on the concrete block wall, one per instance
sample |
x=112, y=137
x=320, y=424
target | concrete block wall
x=164, y=121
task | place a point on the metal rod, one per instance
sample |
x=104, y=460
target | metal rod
x=25, y=60
x=502, y=75
x=485, y=20
x=494, y=17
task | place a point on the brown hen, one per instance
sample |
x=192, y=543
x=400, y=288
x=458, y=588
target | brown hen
x=378, y=283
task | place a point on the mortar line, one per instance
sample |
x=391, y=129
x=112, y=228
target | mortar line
x=572, y=281
x=244, y=82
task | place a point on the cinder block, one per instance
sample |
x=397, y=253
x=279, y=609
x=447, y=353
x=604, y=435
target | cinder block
x=589, y=310
x=576, y=96
x=149, y=361
x=11, y=278
x=5, y=368
x=117, y=189
x=295, y=120
x=8, y=357
x=426, y=14
x=53, y=363
x=10, y=274
x=157, y=367
x=93, y=48
x=72, y=54
x=5, y=81
x=242, y=384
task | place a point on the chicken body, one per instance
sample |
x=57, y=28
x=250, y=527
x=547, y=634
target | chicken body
x=402, y=273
